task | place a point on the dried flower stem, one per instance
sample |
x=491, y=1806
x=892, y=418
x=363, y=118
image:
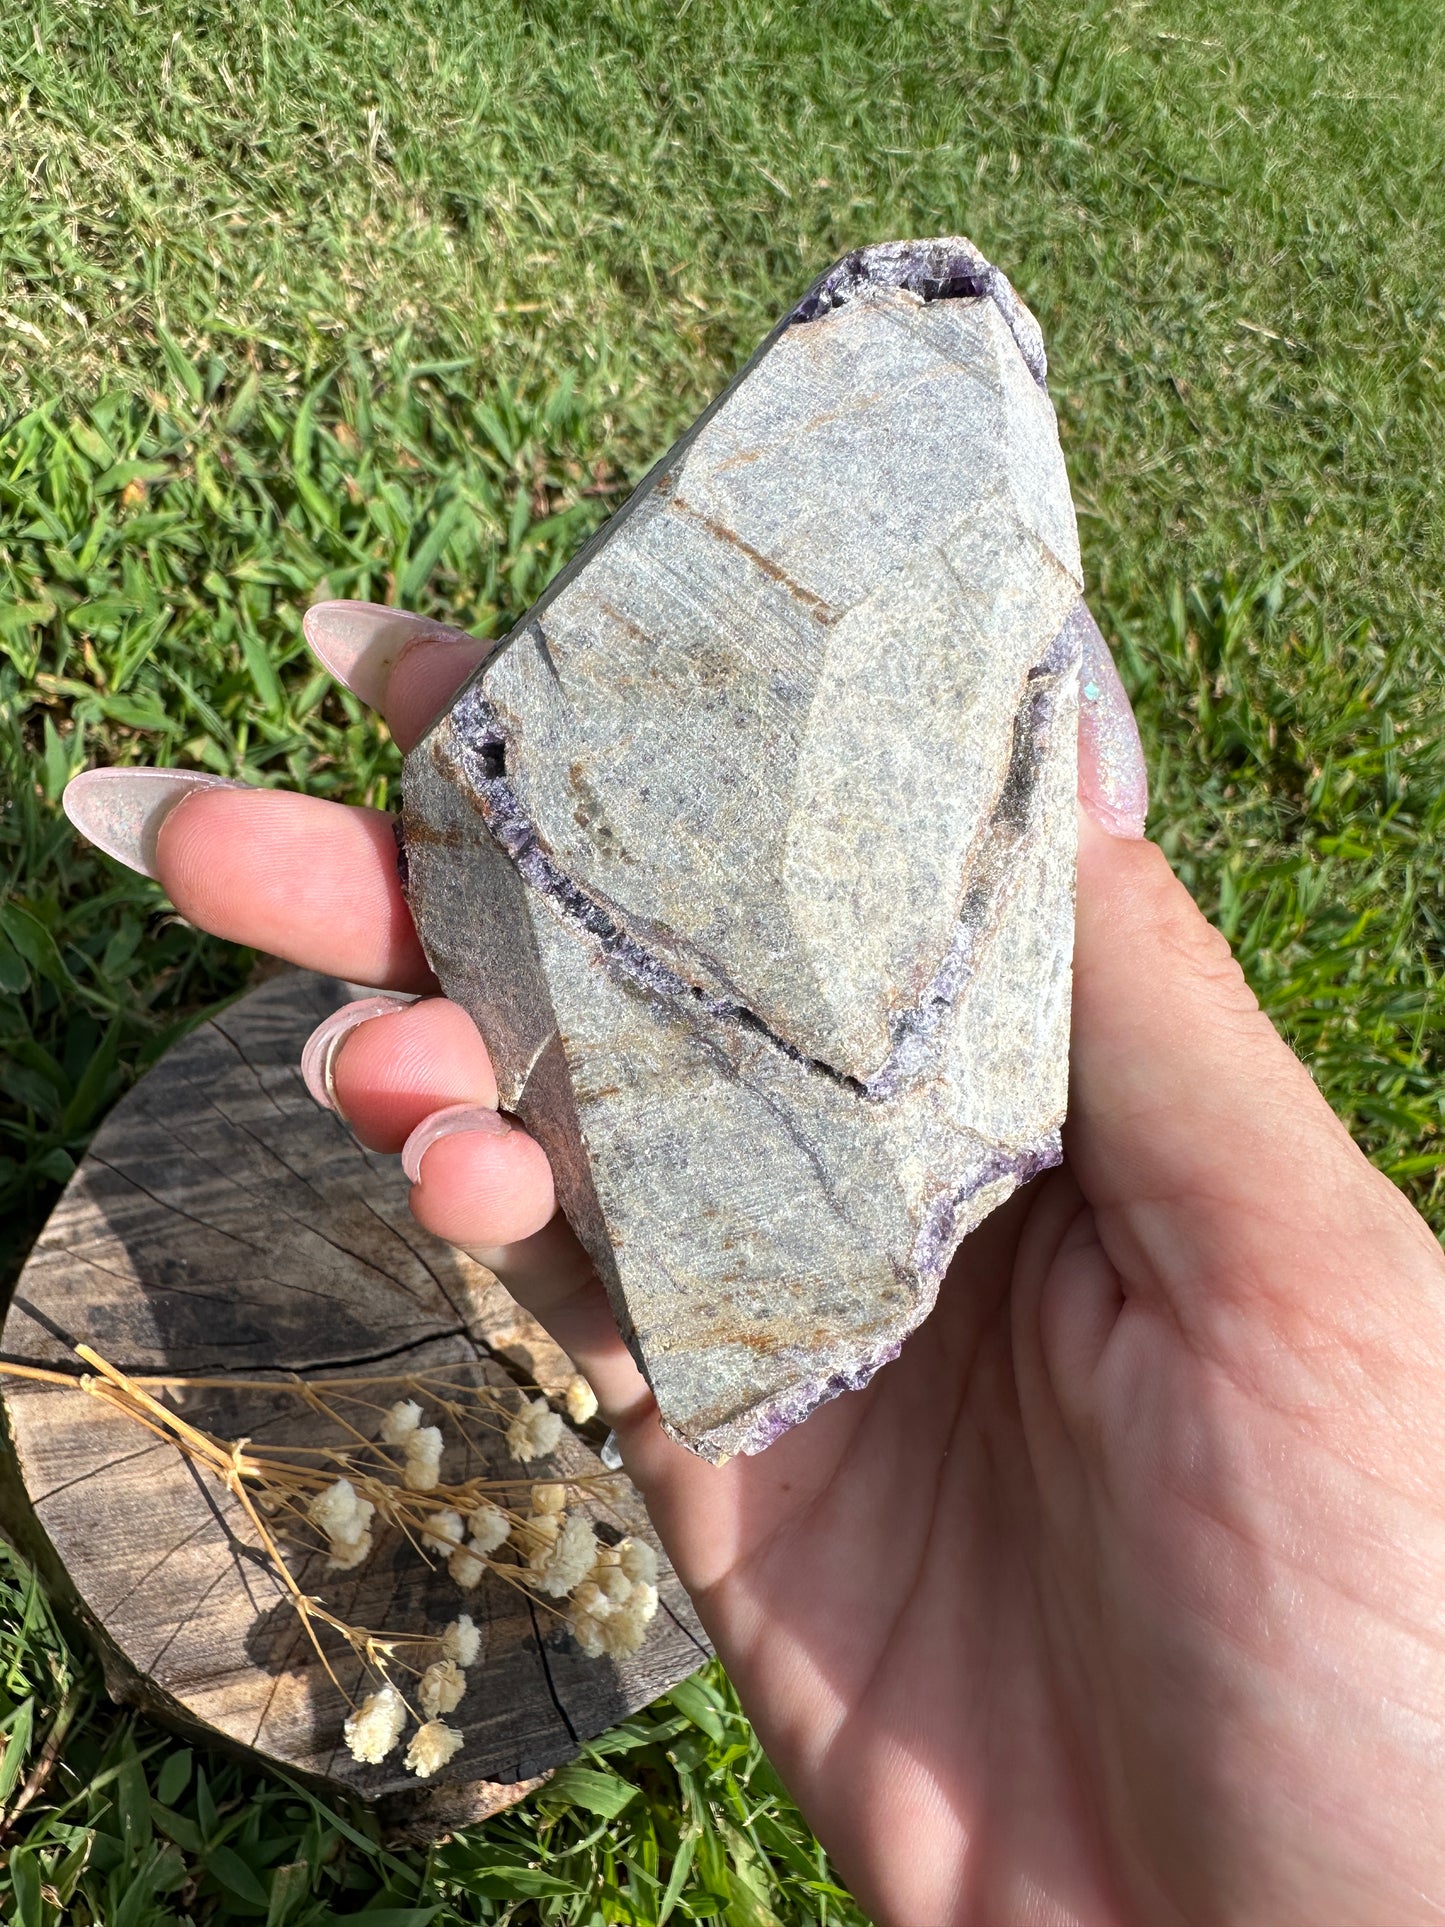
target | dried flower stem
x=331, y=1493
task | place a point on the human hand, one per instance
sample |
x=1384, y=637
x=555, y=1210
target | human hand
x=1117, y=1597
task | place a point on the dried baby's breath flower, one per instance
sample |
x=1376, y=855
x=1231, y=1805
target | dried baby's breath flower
x=639, y=1612
x=638, y=1561
x=590, y=1598
x=613, y=1583
x=442, y=1686
x=339, y=1511
x=602, y=1627
x=617, y=1601
x=467, y=1568
x=375, y=1727
x=461, y=1641
x=489, y=1526
x=589, y=1615
x=443, y=1531
x=539, y=1533
x=344, y=1555
x=613, y=1595
x=568, y=1560
x=401, y=1421
x=581, y=1400
x=422, y=1468
x=345, y=1518
x=535, y=1431
x=431, y=1747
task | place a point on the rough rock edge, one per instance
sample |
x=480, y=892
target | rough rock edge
x=913, y=265
x=760, y=1425
x=754, y=1429
x=949, y=268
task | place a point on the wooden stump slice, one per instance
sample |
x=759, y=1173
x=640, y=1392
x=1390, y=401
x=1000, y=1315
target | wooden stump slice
x=223, y=1227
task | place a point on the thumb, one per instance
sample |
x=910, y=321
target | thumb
x=1216, y=1169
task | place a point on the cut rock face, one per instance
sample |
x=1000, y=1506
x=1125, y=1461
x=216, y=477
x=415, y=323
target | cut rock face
x=751, y=849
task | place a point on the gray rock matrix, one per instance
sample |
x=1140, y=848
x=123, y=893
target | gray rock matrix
x=751, y=848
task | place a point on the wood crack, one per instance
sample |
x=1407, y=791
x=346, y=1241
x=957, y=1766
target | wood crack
x=310, y=1229
x=219, y=1028
x=225, y=1369
x=556, y=1697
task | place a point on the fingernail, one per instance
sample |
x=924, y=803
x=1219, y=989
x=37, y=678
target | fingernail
x=121, y=811
x=361, y=642
x=1113, y=782
x=447, y=1123
x=318, y=1054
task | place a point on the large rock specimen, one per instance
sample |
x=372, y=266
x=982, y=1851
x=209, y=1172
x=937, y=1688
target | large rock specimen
x=751, y=849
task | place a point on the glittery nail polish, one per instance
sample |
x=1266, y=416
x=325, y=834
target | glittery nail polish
x=361, y=643
x=319, y=1053
x=1113, y=782
x=121, y=811
x=448, y=1123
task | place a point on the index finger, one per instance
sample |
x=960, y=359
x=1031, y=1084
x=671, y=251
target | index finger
x=313, y=882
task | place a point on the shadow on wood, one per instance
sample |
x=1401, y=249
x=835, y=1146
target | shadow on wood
x=222, y=1226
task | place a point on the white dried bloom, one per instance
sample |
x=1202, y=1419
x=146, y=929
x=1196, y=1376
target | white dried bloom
x=581, y=1400
x=442, y=1686
x=590, y=1598
x=490, y=1527
x=340, y=1512
x=540, y=1533
x=343, y=1555
x=466, y=1568
x=535, y=1431
x=431, y=1747
x=638, y=1561
x=549, y=1497
x=443, y=1531
x=461, y=1641
x=400, y=1422
x=587, y=1631
x=625, y=1631
x=422, y=1469
x=601, y=1626
x=612, y=1583
x=565, y=1564
x=375, y=1727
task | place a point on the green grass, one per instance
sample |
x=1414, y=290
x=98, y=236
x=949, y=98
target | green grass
x=300, y=299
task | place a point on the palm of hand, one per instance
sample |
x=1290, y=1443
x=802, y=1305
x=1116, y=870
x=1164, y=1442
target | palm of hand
x=1042, y=1582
